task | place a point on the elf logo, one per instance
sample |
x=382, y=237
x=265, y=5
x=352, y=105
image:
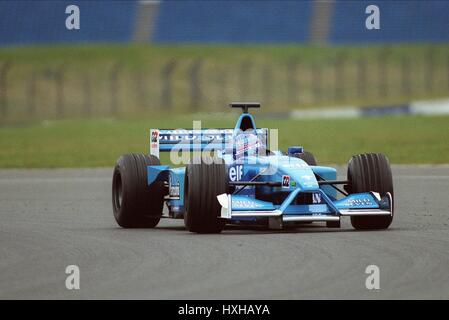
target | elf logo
x=236, y=173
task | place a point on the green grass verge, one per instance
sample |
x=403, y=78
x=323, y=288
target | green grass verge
x=94, y=143
x=99, y=80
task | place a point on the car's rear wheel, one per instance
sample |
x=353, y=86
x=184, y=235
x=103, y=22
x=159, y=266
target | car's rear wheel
x=370, y=172
x=203, y=183
x=135, y=204
x=307, y=156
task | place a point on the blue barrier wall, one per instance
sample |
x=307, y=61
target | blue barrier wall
x=233, y=21
x=400, y=21
x=40, y=22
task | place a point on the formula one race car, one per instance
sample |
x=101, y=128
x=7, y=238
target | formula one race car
x=234, y=178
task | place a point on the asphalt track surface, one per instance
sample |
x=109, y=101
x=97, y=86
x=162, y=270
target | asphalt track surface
x=54, y=218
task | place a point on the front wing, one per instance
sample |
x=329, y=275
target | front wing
x=326, y=209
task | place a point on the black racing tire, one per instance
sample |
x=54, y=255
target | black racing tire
x=203, y=183
x=370, y=172
x=135, y=204
x=308, y=157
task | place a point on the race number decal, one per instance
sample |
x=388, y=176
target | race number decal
x=285, y=181
x=154, y=135
x=154, y=142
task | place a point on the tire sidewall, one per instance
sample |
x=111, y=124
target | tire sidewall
x=141, y=205
x=370, y=172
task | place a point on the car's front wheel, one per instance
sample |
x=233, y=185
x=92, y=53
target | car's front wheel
x=370, y=172
x=203, y=182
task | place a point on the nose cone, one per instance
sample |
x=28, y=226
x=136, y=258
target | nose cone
x=298, y=171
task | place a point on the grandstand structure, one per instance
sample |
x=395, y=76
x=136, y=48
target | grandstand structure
x=332, y=21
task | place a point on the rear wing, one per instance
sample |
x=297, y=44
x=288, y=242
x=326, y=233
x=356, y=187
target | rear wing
x=165, y=140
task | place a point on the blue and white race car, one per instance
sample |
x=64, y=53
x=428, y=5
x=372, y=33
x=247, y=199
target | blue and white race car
x=233, y=178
